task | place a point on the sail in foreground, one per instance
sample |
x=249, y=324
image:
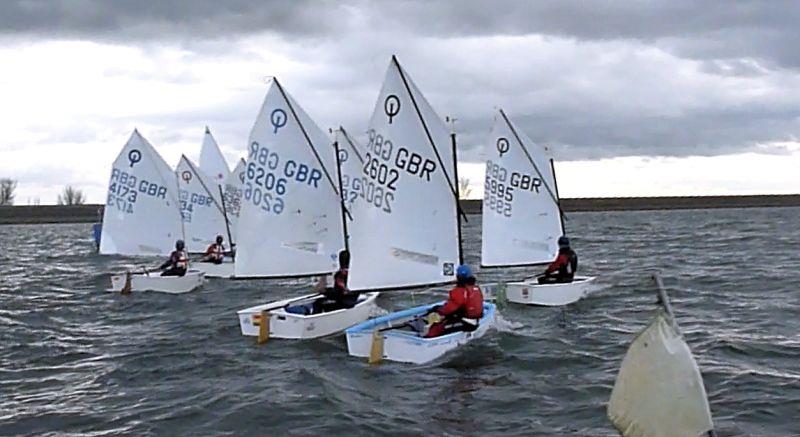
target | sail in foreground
x=290, y=222
x=659, y=390
x=405, y=228
x=201, y=206
x=212, y=162
x=232, y=196
x=142, y=214
x=351, y=161
x=521, y=217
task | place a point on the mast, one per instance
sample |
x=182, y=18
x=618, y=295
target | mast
x=533, y=163
x=343, y=208
x=555, y=185
x=225, y=214
x=458, y=200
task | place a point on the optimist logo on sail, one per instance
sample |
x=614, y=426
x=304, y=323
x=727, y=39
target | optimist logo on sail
x=134, y=156
x=391, y=106
x=502, y=146
x=277, y=119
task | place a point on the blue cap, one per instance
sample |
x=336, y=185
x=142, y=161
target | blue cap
x=563, y=241
x=464, y=271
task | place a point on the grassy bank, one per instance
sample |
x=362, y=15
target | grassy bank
x=89, y=213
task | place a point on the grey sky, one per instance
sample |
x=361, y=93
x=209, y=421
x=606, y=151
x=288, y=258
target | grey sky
x=593, y=78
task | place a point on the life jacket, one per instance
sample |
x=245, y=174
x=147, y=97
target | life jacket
x=465, y=302
x=569, y=268
x=474, y=302
x=217, y=251
x=180, y=260
x=340, y=280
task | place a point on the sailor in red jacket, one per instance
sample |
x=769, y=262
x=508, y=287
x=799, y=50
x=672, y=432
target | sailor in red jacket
x=177, y=263
x=564, y=267
x=463, y=309
x=215, y=253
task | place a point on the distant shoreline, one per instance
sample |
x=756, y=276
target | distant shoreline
x=89, y=213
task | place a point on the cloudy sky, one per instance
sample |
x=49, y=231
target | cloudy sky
x=634, y=98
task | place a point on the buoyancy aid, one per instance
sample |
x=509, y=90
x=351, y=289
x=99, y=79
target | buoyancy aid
x=180, y=259
x=216, y=251
x=467, y=301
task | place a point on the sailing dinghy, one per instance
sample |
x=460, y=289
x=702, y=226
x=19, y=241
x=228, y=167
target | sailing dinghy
x=659, y=389
x=142, y=216
x=203, y=215
x=152, y=281
x=407, y=223
x=522, y=219
x=291, y=222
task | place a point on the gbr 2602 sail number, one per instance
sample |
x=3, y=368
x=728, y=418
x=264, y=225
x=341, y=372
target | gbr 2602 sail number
x=383, y=165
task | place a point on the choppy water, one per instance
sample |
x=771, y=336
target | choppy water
x=74, y=359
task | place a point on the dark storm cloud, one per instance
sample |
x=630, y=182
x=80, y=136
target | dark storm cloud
x=600, y=92
x=763, y=29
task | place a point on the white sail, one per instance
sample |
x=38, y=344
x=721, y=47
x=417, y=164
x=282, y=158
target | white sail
x=659, y=390
x=142, y=215
x=212, y=162
x=351, y=161
x=521, y=219
x=405, y=228
x=290, y=223
x=201, y=207
x=233, y=192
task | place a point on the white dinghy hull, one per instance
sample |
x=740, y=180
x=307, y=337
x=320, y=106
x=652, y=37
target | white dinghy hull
x=407, y=346
x=532, y=293
x=155, y=282
x=287, y=325
x=224, y=270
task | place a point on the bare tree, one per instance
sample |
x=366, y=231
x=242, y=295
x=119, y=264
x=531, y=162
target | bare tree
x=464, y=190
x=71, y=196
x=7, y=188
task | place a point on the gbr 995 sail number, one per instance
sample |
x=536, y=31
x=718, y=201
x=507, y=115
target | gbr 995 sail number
x=498, y=195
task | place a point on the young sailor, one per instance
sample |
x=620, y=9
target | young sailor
x=215, y=252
x=338, y=296
x=564, y=266
x=463, y=309
x=178, y=261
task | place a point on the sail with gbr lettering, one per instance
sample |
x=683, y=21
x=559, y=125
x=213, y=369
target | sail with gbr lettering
x=201, y=207
x=142, y=214
x=290, y=222
x=351, y=161
x=521, y=216
x=232, y=196
x=405, y=227
x=211, y=160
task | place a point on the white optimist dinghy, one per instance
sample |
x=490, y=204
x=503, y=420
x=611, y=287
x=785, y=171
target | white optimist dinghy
x=522, y=219
x=142, y=217
x=391, y=337
x=407, y=220
x=147, y=281
x=292, y=219
x=204, y=215
x=659, y=389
